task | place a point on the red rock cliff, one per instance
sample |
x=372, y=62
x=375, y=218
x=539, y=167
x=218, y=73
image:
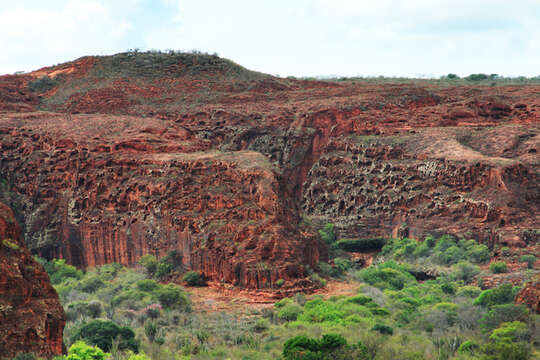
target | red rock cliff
x=236, y=169
x=31, y=317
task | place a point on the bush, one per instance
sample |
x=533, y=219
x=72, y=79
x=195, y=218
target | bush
x=290, y=312
x=149, y=263
x=42, y=84
x=478, y=254
x=383, y=329
x=468, y=347
x=81, y=351
x=476, y=77
x=498, y=267
x=529, y=259
x=91, y=283
x=193, y=278
x=341, y=266
x=147, y=285
x=503, y=294
x=102, y=332
x=359, y=245
x=328, y=234
x=499, y=314
x=301, y=348
x=280, y=282
x=59, y=271
x=172, y=296
x=465, y=271
x=330, y=346
x=388, y=275
x=469, y=291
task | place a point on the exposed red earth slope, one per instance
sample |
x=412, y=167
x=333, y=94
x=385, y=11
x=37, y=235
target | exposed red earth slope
x=31, y=317
x=143, y=153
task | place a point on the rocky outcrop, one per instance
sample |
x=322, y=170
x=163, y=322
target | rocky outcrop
x=530, y=296
x=237, y=170
x=31, y=317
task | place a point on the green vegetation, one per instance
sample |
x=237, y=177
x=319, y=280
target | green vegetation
x=102, y=333
x=193, y=278
x=444, y=251
x=10, y=244
x=42, y=84
x=498, y=267
x=360, y=245
x=529, y=259
x=391, y=315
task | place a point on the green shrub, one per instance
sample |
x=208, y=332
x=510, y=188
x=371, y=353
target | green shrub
x=505, y=251
x=290, y=312
x=499, y=314
x=301, y=348
x=193, y=278
x=380, y=311
x=147, y=285
x=469, y=291
x=468, y=347
x=498, y=267
x=42, y=84
x=448, y=288
x=328, y=234
x=102, y=332
x=341, y=266
x=172, y=296
x=529, y=259
x=330, y=346
x=503, y=294
x=280, y=282
x=388, y=275
x=59, y=271
x=465, y=271
x=478, y=254
x=318, y=310
x=359, y=299
x=91, y=283
x=149, y=263
x=359, y=245
x=164, y=268
x=81, y=351
x=383, y=329
x=476, y=77
x=510, y=332
x=10, y=244
x=261, y=325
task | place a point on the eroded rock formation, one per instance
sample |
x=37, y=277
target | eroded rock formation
x=140, y=153
x=530, y=296
x=31, y=317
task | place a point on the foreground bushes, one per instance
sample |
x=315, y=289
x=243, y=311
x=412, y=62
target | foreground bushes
x=330, y=346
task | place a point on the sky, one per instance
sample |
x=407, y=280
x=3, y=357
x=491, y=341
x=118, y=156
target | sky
x=410, y=38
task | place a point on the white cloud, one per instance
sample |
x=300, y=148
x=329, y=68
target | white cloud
x=301, y=37
x=39, y=36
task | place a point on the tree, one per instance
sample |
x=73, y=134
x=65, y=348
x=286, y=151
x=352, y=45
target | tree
x=171, y=296
x=149, y=263
x=81, y=351
x=102, y=333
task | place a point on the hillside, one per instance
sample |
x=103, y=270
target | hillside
x=106, y=159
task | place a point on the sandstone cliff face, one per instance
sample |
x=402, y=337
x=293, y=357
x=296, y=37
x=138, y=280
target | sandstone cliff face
x=31, y=317
x=530, y=296
x=237, y=170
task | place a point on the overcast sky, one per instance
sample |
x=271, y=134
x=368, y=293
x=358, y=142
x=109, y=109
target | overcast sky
x=285, y=37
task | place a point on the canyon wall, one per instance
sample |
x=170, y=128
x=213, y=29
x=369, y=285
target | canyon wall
x=237, y=170
x=31, y=317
